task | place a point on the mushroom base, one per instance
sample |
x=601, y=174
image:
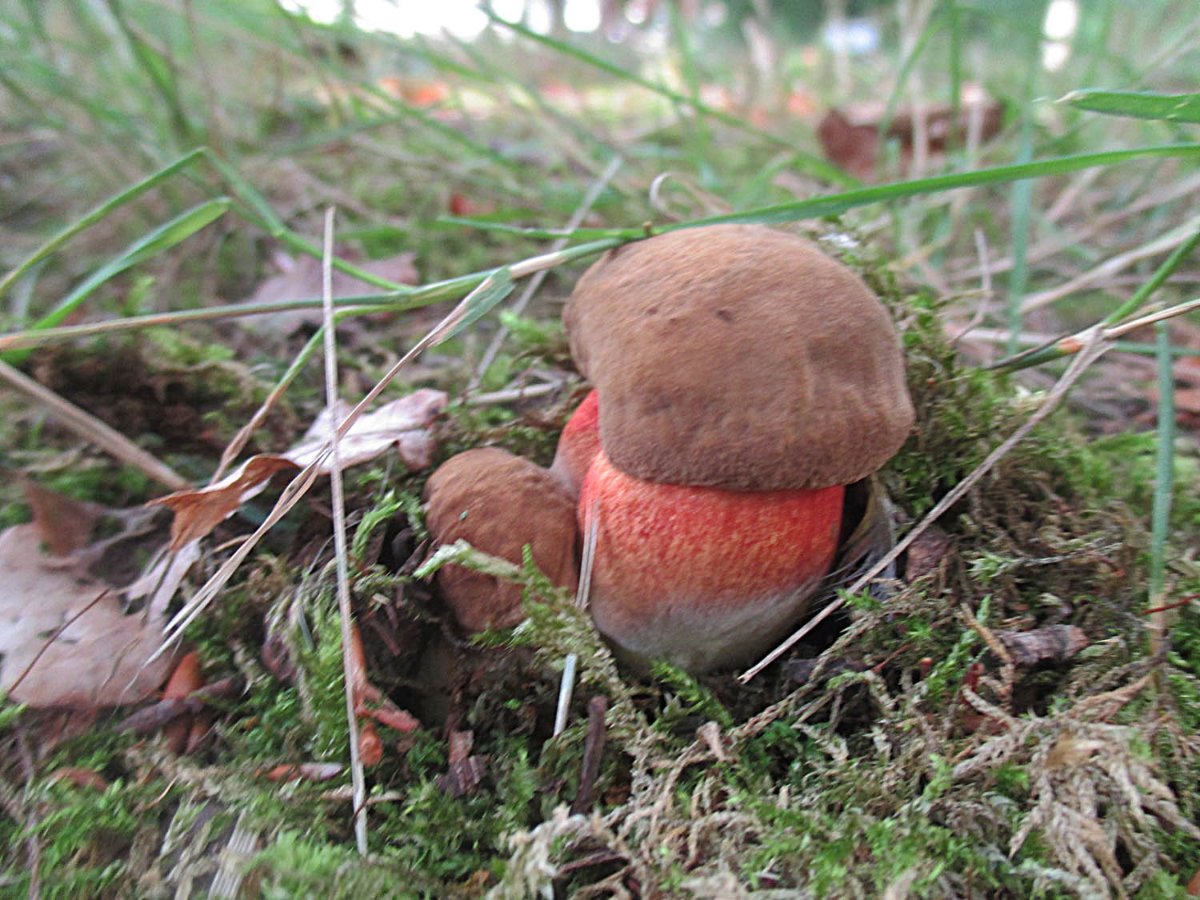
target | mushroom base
x=702, y=577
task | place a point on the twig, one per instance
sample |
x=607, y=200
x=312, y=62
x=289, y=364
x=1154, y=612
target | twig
x=513, y=394
x=357, y=779
x=1056, y=348
x=157, y=715
x=593, y=751
x=566, y=687
x=1091, y=352
x=1097, y=225
x=1114, y=264
x=993, y=642
x=89, y=427
x=1050, y=643
x=985, y=288
x=1177, y=604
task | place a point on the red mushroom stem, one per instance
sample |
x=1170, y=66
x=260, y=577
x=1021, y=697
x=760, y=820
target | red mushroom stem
x=702, y=577
x=578, y=444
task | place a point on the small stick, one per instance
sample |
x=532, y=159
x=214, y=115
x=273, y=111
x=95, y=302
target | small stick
x=994, y=644
x=1113, y=265
x=155, y=716
x=593, y=751
x=985, y=287
x=92, y=429
x=565, y=687
x=1050, y=643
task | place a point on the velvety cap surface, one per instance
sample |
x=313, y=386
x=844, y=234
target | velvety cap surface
x=499, y=503
x=740, y=357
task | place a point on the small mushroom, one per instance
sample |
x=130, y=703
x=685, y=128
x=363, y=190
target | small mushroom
x=499, y=503
x=743, y=379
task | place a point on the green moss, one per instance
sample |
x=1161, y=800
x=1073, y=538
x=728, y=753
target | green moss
x=86, y=837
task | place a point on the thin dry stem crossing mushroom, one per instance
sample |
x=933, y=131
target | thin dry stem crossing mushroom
x=743, y=378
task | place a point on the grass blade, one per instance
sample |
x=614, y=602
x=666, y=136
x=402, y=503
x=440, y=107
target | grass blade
x=162, y=238
x=1137, y=104
x=813, y=164
x=835, y=204
x=97, y=214
x=1035, y=356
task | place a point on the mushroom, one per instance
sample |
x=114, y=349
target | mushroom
x=499, y=503
x=743, y=379
x=578, y=444
x=700, y=576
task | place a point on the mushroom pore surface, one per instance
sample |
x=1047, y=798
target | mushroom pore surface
x=499, y=502
x=739, y=357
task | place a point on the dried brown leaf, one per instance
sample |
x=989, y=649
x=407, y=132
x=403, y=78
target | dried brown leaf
x=311, y=771
x=65, y=525
x=54, y=650
x=850, y=136
x=301, y=279
x=402, y=423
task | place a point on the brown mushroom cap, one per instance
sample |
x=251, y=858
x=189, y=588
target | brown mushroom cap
x=499, y=503
x=739, y=357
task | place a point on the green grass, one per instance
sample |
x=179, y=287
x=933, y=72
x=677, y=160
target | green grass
x=224, y=130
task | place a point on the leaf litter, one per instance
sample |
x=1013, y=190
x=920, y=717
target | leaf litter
x=92, y=639
x=74, y=632
x=403, y=424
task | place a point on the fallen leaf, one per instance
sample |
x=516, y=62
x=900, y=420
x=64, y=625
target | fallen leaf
x=402, y=423
x=415, y=91
x=199, y=511
x=465, y=771
x=926, y=553
x=461, y=205
x=65, y=524
x=1187, y=400
x=368, y=700
x=394, y=717
x=370, y=747
x=301, y=278
x=303, y=771
x=850, y=136
x=1070, y=751
x=66, y=639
